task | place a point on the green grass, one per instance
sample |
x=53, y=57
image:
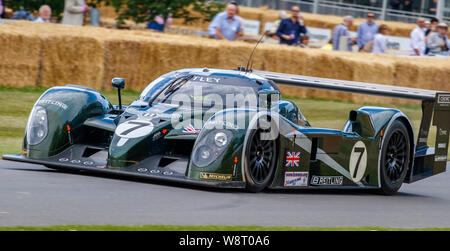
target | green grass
x=16, y=104
x=201, y=228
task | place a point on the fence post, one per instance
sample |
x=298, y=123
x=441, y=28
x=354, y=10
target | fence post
x=316, y=6
x=383, y=10
x=440, y=9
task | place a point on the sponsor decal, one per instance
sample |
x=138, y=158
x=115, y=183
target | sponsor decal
x=206, y=79
x=151, y=115
x=142, y=170
x=75, y=161
x=157, y=135
x=295, y=179
x=442, y=145
x=358, y=161
x=444, y=99
x=167, y=173
x=190, y=130
x=440, y=158
x=63, y=160
x=53, y=102
x=327, y=180
x=423, y=140
x=292, y=159
x=155, y=171
x=442, y=132
x=215, y=176
x=88, y=163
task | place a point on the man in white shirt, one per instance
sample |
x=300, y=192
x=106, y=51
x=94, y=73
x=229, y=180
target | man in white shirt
x=45, y=14
x=418, y=38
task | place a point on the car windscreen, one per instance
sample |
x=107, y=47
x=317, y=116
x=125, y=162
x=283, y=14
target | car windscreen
x=227, y=92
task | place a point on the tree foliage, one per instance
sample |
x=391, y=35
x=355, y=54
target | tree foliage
x=138, y=10
x=145, y=10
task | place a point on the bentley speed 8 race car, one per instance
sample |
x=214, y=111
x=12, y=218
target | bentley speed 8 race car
x=230, y=128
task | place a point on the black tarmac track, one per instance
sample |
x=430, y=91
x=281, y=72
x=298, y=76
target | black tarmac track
x=35, y=195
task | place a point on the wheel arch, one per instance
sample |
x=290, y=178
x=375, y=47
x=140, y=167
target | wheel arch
x=400, y=116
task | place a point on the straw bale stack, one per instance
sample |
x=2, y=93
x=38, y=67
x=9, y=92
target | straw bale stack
x=20, y=56
x=47, y=55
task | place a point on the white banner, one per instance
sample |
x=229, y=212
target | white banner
x=251, y=27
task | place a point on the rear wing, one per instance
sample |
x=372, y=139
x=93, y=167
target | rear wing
x=435, y=106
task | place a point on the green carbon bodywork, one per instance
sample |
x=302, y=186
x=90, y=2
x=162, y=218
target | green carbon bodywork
x=168, y=149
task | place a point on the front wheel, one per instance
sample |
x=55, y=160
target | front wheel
x=260, y=160
x=395, y=158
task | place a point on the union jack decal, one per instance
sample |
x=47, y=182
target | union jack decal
x=190, y=129
x=292, y=159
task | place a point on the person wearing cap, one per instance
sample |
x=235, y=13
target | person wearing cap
x=341, y=35
x=438, y=41
x=367, y=30
x=291, y=29
x=431, y=26
x=227, y=24
x=418, y=38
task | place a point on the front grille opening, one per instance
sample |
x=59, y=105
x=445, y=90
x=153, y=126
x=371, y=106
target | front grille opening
x=166, y=161
x=179, y=147
x=88, y=152
x=95, y=136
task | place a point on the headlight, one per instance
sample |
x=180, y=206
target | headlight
x=211, y=147
x=37, y=127
x=221, y=139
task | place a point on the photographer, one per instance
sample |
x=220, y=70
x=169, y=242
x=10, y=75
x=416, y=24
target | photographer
x=438, y=41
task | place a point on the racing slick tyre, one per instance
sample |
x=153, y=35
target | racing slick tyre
x=260, y=160
x=395, y=158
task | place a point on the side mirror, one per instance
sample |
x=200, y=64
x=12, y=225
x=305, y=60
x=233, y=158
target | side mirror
x=267, y=97
x=119, y=84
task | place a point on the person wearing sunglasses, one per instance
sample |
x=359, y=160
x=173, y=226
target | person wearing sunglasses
x=367, y=30
x=291, y=29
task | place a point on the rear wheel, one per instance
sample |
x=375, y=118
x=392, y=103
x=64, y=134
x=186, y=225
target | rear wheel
x=260, y=160
x=395, y=158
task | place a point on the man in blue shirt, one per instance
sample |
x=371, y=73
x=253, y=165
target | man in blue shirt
x=341, y=35
x=367, y=30
x=227, y=25
x=291, y=29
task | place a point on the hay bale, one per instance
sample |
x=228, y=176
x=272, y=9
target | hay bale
x=53, y=54
x=20, y=56
x=71, y=57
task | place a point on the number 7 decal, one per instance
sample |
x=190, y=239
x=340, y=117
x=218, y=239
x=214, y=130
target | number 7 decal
x=358, y=161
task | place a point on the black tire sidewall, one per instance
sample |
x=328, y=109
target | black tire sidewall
x=251, y=185
x=386, y=187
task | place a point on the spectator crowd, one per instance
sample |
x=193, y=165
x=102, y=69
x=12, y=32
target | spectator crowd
x=428, y=38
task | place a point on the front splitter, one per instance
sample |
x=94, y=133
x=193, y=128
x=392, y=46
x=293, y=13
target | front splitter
x=140, y=172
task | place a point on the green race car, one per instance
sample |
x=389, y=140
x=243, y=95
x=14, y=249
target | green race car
x=230, y=128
